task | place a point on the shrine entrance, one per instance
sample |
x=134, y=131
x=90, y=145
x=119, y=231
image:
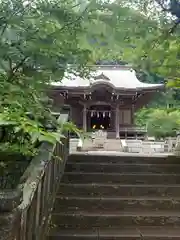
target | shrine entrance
x=100, y=117
x=100, y=120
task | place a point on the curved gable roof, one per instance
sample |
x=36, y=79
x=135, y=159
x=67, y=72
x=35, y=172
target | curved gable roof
x=121, y=77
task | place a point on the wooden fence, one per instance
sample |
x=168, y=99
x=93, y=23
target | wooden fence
x=29, y=219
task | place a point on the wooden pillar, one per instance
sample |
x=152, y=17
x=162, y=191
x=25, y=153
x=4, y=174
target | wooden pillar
x=132, y=114
x=85, y=118
x=117, y=121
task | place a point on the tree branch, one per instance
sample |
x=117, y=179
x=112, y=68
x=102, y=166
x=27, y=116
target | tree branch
x=17, y=67
x=4, y=28
x=70, y=23
x=73, y=22
x=172, y=30
x=14, y=13
x=76, y=5
x=10, y=63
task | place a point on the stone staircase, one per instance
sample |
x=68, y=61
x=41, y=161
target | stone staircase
x=118, y=197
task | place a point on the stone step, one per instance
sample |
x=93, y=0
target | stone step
x=142, y=233
x=115, y=157
x=113, y=145
x=108, y=219
x=115, y=204
x=121, y=167
x=119, y=190
x=126, y=178
x=118, y=197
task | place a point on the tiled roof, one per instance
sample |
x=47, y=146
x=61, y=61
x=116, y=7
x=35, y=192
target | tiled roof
x=118, y=77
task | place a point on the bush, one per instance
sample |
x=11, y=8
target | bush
x=160, y=123
x=142, y=116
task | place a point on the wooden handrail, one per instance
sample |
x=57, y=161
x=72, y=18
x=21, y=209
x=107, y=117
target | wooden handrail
x=30, y=219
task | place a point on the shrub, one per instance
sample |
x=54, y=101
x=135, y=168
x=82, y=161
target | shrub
x=162, y=124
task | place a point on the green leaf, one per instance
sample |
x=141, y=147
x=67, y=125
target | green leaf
x=50, y=139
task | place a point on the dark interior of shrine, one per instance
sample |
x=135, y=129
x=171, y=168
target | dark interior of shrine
x=100, y=121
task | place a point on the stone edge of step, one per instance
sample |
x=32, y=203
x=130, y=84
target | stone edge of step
x=131, y=232
x=124, y=164
x=123, y=198
x=159, y=213
x=115, y=185
x=121, y=174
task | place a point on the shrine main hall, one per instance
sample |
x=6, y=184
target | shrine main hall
x=107, y=100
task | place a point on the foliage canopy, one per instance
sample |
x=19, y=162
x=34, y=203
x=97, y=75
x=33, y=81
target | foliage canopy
x=160, y=123
x=143, y=32
x=39, y=39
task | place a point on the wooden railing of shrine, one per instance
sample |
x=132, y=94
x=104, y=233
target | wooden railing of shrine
x=29, y=219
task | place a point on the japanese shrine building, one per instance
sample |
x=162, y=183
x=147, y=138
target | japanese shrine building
x=107, y=100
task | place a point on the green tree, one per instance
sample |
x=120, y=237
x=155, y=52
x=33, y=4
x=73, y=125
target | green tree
x=143, y=33
x=159, y=51
x=122, y=30
x=162, y=124
x=142, y=116
x=39, y=39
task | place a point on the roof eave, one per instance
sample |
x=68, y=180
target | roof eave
x=153, y=88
